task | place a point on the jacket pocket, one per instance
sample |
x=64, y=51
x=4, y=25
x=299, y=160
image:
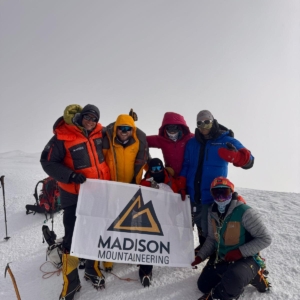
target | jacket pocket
x=232, y=233
x=80, y=157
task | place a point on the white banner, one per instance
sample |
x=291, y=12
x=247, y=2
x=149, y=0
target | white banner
x=132, y=224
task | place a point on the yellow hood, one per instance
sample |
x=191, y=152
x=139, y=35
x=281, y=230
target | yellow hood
x=124, y=120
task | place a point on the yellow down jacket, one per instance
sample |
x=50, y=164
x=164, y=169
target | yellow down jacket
x=125, y=162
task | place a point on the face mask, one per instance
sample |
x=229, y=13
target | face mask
x=159, y=177
x=222, y=205
x=173, y=136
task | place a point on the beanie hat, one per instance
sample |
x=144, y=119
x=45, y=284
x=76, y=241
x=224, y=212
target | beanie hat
x=222, y=182
x=155, y=162
x=91, y=109
x=204, y=115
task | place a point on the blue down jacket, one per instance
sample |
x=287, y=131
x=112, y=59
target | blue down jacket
x=211, y=167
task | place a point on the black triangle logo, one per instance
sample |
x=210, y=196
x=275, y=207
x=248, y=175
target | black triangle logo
x=137, y=217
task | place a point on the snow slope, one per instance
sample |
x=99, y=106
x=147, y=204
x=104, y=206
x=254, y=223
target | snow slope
x=26, y=252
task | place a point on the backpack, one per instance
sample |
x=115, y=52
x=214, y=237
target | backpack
x=48, y=200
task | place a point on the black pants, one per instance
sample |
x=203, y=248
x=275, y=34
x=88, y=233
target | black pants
x=69, y=224
x=227, y=279
x=145, y=270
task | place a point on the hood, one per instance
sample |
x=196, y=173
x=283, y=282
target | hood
x=124, y=120
x=70, y=112
x=173, y=118
x=63, y=131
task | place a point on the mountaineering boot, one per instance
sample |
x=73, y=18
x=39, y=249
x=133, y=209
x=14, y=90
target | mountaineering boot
x=93, y=273
x=146, y=280
x=82, y=263
x=145, y=274
x=108, y=266
x=70, y=277
x=260, y=281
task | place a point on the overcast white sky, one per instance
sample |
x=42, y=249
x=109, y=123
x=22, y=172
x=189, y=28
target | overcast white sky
x=238, y=59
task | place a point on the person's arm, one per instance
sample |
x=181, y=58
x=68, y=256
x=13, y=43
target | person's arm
x=153, y=141
x=208, y=247
x=141, y=157
x=261, y=237
x=52, y=161
x=186, y=161
x=145, y=182
x=234, y=152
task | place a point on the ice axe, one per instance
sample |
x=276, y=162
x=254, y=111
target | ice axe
x=3, y=192
x=7, y=269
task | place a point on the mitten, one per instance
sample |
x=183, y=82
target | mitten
x=181, y=183
x=133, y=115
x=239, y=158
x=77, y=178
x=197, y=261
x=233, y=255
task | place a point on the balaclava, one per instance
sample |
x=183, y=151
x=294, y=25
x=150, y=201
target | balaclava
x=158, y=175
x=205, y=115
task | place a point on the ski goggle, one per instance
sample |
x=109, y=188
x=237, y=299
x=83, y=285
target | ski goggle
x=172, y=128
x=221, y=193
x=124, y=128
x=89, y=118
x=203, y=124
x=156, y=169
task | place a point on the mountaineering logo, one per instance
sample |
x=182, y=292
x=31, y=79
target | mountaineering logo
x=137, y=217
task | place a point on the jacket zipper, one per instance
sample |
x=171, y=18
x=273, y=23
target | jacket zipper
x=95, y=161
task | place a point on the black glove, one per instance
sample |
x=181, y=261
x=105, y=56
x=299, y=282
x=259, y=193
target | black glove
x=133, y=115
x=77, y=178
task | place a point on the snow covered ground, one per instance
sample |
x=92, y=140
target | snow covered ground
x=26, y=253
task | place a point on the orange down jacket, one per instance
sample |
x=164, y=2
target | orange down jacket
x=70, y=150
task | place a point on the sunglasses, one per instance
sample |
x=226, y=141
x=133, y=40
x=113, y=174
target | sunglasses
x=221, y=193
x=124, y=128
x=89, y=118
x=156, y=169
x=172, y=128
x=203, y=123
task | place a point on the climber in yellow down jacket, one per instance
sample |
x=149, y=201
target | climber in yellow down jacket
x=126, y=150
x=126, y=153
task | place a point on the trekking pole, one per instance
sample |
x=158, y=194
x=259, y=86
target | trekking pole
x=13, y=280
x=2, y=185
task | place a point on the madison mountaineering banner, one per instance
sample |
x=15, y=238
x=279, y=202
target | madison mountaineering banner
x=133, y=224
